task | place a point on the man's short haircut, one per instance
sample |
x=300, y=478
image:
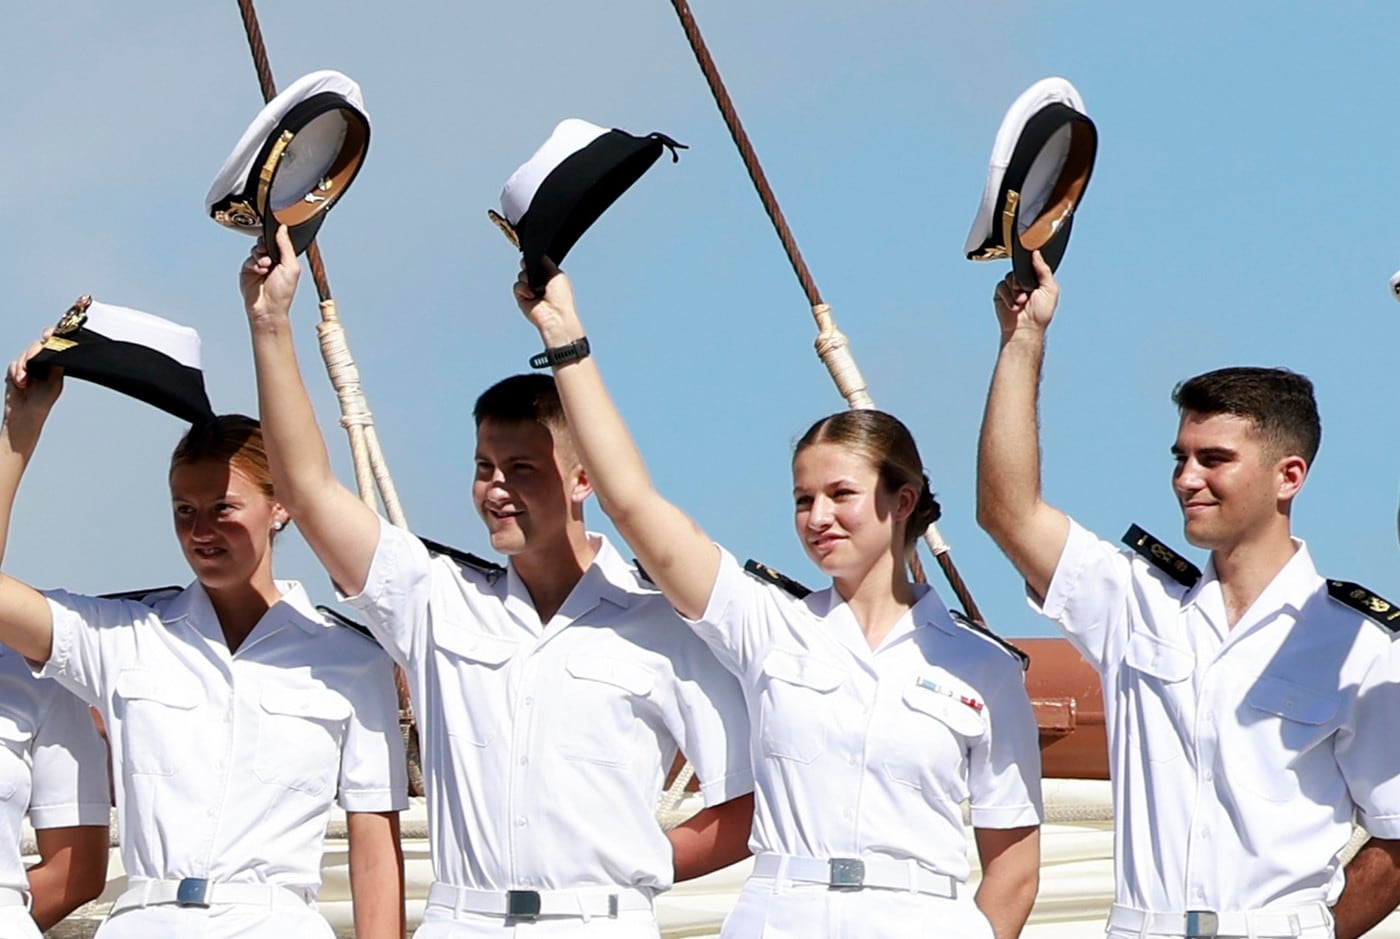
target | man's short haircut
x=1279, y=402
x=529, y=397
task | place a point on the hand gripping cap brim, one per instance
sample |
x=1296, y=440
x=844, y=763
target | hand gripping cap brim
x=553, y=198
x=294, y=162
x=1040, y=167
x=140, y=355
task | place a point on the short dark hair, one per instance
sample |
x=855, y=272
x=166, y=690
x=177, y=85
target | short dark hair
x=1279, y=402
x=528, y=397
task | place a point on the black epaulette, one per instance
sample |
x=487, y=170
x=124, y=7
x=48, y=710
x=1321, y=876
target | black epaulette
x=764, y=572
x=142, y=596
x=642, y=572
x=1159, y=555
x=1364, y=601
x=347, y=622
x=1015, y=652
x=482, y=566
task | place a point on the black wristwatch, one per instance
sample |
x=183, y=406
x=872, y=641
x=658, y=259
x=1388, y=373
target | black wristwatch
x=549, y=358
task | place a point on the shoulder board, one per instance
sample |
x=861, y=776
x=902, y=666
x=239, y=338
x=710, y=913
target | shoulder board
x=642, y=572
x=1017, y=653
x=347, y=622
x=764, y=572
x=1159, y=555
x=147, y=596
x=1365, y=602
x=464, y=558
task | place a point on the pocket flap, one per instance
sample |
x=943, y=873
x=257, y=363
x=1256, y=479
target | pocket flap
x=170, y=689
x=1294, y=702
x=962, y=718
x=475, y=646
x=632, y=679
x=802, y=670
x=316, y=703
x=1147, y=653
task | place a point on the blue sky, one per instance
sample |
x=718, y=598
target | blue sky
x=1243, y=211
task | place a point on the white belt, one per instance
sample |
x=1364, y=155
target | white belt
x=854, y=873
x=196, y=891
x=531, y=904
x=9, y=896
x=1276, y=923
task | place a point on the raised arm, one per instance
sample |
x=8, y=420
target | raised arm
x=1010, y=507
x=26, y=623
x=677, y=555
x=341, y=529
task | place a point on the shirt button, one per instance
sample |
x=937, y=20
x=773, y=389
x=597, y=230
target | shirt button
x=1208, y=776
x=846, y=814
x=524, y=760
x=529, y=701
x=520, y=822
x=851, y=761
x=1204, y=834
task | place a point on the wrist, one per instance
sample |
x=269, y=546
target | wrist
x=1024, y=333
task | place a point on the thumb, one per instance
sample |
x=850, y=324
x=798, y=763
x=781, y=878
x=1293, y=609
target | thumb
x=287, y=253
x=1043, y=272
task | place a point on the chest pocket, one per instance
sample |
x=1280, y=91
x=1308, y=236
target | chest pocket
x=603, y=707
x=797, y=705
x=474, y=662
x=1155, y=681
x=937, y=731
x=1280, y=724
x=159, y=713
x=300, y=731
x=16, y=736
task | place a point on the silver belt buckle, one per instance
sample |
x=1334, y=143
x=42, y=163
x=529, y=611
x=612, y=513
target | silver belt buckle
x=192, y=891
x=523, y=904
x=1202, y=924
x=846, y=872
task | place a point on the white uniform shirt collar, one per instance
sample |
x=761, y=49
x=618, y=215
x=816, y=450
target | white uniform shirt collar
x=604, y=579
x=928, y=610
x=193, y=605
x=1291, y=587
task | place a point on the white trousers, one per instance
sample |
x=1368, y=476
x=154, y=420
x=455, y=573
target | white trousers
x=441, y=923
x=16, y=923
x=781, y=910
x=221, y=921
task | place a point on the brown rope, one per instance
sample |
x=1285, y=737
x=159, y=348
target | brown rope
x=363, y=444
x=856, y=397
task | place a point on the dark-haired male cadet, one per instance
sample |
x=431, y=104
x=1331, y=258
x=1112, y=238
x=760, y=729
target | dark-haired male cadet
x=551, y=695
x=1251, y=710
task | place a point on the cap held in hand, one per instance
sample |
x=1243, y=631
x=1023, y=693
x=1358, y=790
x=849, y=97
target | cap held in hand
x=149, y=358
x=551, y=200
x=294, y=162
x=1040, y=167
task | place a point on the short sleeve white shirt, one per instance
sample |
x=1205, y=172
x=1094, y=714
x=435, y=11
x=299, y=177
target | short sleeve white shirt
x=227, y=765
x=52, y=762
x=873, y=752
x=545, y=744
x=1239, y=756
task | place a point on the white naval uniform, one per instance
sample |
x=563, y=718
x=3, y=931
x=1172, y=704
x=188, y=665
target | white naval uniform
x=1238, y=755
x=226, y=765
x=545, y=745
x=53, y=764
x=862, y=753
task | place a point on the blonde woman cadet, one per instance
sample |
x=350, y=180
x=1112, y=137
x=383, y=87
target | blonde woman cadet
x=236, y=714
x=874, y=712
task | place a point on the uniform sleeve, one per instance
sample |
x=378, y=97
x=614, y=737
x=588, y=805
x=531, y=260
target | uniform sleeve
x=1004, y=766
x=395, y=597
x=87, y=635
x=733, y=624
x=1087, y=594
x=713, y=724
x=1368, y=758
x=70, y=765
x=373, y=768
